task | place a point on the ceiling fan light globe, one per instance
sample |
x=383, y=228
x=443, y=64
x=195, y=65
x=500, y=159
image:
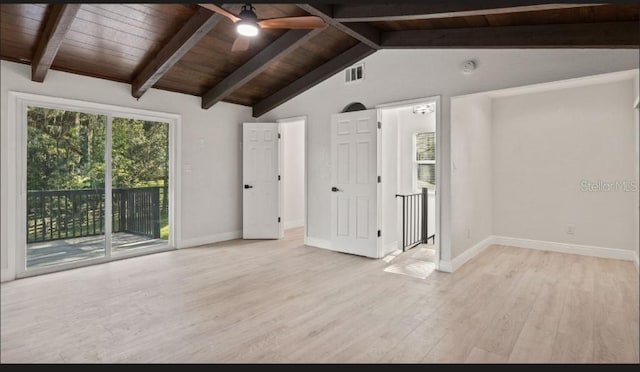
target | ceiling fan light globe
x=247, y=29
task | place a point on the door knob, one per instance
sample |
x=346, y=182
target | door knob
x=248, y=186
x=335, y=189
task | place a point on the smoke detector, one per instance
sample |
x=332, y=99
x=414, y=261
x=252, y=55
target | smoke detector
x=468, y=67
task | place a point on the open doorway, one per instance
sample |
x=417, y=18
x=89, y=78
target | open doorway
x=293, y=176
x=409, y=182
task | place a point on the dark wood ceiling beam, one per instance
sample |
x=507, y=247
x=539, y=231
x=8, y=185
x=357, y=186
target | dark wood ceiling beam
x=576, y=35
x=363, y=32
x=284, y=45
x=444, y=9
x=58, y=23
x=320, y=74
x=202, y=21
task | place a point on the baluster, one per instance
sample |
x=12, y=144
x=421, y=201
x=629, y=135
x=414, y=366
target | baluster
x=409, y=222
x=93, y=213
x=404, y=225
x=415, y=218
x=50, y=216
x=412, y=198
x=425, y=215
x=58, y=216
x=66, y=215
x=86, y=214
x=42, y=217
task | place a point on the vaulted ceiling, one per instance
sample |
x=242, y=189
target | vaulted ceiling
x=186, y=48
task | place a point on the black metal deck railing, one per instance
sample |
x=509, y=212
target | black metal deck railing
x=415, y=219
x=64, y=214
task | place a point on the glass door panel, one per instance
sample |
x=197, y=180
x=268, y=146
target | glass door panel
x=140, y=181
x=65, y=186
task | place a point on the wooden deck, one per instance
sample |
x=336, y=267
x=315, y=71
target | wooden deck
x=62, y=251
x=281, y=301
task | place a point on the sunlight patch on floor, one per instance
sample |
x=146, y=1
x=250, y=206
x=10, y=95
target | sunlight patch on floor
x=418, y=262
x=415, y=268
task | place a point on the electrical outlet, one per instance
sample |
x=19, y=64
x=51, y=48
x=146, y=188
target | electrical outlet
x=571, y=229
x=468, y=233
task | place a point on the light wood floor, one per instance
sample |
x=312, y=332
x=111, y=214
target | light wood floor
x=279, y=301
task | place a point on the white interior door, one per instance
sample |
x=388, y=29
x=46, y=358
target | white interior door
x=354, y=176
x=261, y=185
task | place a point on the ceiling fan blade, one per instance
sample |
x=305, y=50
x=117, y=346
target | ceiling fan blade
x=293, y=22
x=240, y=44
x=221, y=11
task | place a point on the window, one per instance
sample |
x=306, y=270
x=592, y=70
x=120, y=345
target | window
x=425, y=160
x=98, y=182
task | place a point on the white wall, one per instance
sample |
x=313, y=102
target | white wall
x=390, y=222
x=545, y=145
x=636, y=90
x=293, y=173
x=210, y=148
x=471, y=171
x=395, y=75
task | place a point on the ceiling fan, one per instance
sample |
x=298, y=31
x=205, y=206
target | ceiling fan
x=248, y=25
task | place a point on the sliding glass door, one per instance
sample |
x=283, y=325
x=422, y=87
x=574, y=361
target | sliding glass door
x=140, y=180
x=97, y=186
x=65, y=186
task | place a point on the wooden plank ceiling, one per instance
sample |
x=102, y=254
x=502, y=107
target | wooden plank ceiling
x=186, y=48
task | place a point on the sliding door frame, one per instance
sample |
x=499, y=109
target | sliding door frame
x=17, y=193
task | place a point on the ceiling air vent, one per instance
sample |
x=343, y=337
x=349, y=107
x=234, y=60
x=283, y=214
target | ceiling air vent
x=354, y=73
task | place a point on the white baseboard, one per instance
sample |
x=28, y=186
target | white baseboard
x=461, y=259
x=194, y=242
x=293, y=223
x=583, y=250
x=7, y=275
x=318, y=243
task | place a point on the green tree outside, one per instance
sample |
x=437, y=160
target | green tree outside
x=66, y=151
